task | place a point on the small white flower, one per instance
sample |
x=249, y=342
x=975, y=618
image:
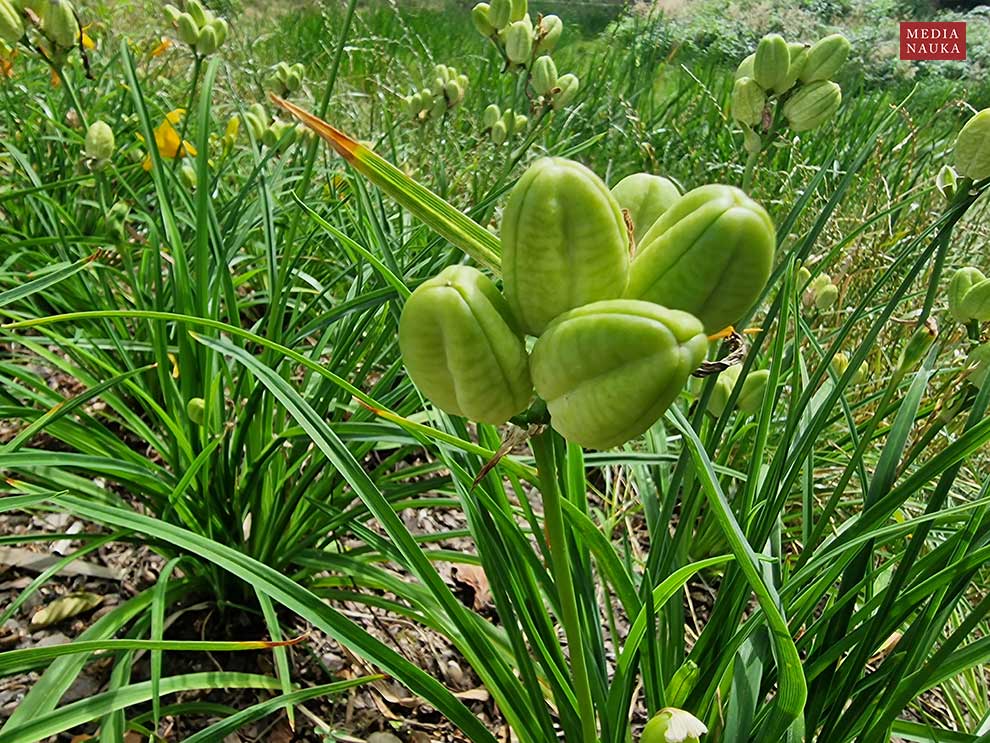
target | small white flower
x=672, y=725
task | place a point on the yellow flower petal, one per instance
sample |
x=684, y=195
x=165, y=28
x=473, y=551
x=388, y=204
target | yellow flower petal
x=164, y=46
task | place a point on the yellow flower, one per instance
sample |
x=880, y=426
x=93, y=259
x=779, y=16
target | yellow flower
x=87, y=42
x=167, y=140
x=163, y=46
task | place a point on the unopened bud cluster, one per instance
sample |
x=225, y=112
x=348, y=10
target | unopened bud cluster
x=447, y=91
x=795, y=75
x=197, y=27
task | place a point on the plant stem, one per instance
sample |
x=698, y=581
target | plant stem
x=560, y=565
x=750, y=170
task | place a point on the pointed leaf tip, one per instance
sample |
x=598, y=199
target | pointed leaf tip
x=344, y=145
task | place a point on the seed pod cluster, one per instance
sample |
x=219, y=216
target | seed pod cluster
x=198, y=28
x=608, y=360
x=446, y=92
x=287, y=79
x=793, y=74
x=11, y=22
x=503, y=125
x=821, y=293
x=526, y=45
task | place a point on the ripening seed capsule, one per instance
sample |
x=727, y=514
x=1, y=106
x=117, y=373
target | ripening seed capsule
x=646, y=197
x=826, y=296
x=709, y=254
x=222, y=29
x=60, y=24
x=962, y=281
x=499, y=132
x=748, y=101
x=519, y=10
x=566, y=91
x=491, y=115
x=11, y=23
x=480, y=16
x=916, y=348
x=462, y=349
x=745, y=68
x=519, y=42
x=196, y=410
x=99, y=141
x=188, y=30
x=812, y=105
x=207, y=42
x=798, y=58
x=173, y=13
x=519, y=122
x=188, y=175
x=196, y=10
x=825, y=57
x=500, y=13
x=564, y=243
x=548, y=33
x=972, y=151
x=773, y=59
x=544, y=75
x=751, y=395
x=608, y=370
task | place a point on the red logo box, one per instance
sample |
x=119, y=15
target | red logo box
x=933, y=40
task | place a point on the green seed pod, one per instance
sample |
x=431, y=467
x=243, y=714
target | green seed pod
x=462, y=81
x=196, y=410
x=748, y=101
x=773, y=59
x=207, y=42
x=499, y=132
x=825, y=57
x=520, y=122
x=752, y=142
x=60, y=24
x=188, y=175
x=751, y=395
x=548, y=34
x=438, y=106
x=646, y=197
x=188, y=30
x=491, y=115
x=500, y=13
x=173, y=13
x=222, y=29
x=976, y=302
x=255, y=125
x=11, y=23
x=293, y=82
x=812, y=105
x=99, y=141
x=826, y=296
x=519, y=10
x=745, y=68
x=947, y=182
x=453, y=93
x=799, y=57
x=564, y=242
x=672, y=725
x=442, y=72
x=720, y=392
x=682, y=683
x=608, y=370
x=198, y=13
x=973, y=147
x=519, y=43
x=298, y=69
x=802, y=277
x=960, y=284
x=839, y=364
x=509, y=121
x=916, y=348
x=480, y=16
x=462, y=349
x=710, y=254
x=544, y=75
x=566, y=91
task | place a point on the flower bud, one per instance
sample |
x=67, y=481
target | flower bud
x=946, y=182
x=462, y=349
x=548, y=33
x=709, y=254
x=60, y=24
x=748, y=101
x=188, y=175
x=961, y=282
x=196, y=410
x=682, y=683
x=500, y=13
x=188, y=30
x=196, y=10
x=812, y=105
x=566, y=91
x=973, y=147
x=99, y=141
x=916, y=347
x=773, y=59
x=825, y=57
x=11, y=23
x=491, y=115
x=544, y=75
x=645, y=197
x=672, y=725
x=564, y=242
x=608, y=370
x=519, y=42
x=207, y=42
x=479, y=16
